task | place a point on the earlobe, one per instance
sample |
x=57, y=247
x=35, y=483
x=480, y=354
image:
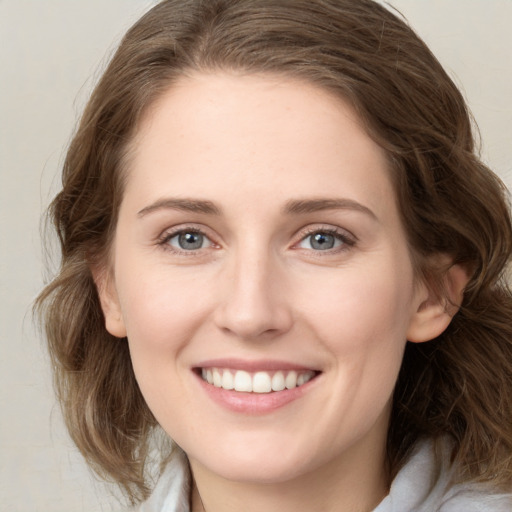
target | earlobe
x=435, y=313
x=109, y=301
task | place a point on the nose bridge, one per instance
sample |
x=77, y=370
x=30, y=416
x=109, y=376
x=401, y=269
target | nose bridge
x=253, y=302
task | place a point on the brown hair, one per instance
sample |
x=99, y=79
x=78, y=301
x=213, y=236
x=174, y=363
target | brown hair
x=458, y=385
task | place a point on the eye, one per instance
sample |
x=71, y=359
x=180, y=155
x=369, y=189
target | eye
x=323, y=240
x=188, y=240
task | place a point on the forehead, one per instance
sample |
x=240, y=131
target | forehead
x=257, y=133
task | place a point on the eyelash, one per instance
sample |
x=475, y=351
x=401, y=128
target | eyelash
x=167, y=236
x=347, y=241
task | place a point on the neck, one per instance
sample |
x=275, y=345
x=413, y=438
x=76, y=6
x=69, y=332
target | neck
x=356, y=482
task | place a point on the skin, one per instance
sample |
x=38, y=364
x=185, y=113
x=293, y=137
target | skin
x=252, y=147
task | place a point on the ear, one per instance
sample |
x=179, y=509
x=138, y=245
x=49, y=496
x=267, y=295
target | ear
x=109, y=301
x=435, y=312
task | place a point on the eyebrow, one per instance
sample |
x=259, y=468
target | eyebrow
x=188, y=205
x=303, y=206
x=292, y=207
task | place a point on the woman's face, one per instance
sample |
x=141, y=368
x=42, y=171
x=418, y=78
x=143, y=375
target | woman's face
x=259, y=246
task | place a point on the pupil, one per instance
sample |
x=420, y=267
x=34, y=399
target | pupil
x=322, y=241
x=190, y=241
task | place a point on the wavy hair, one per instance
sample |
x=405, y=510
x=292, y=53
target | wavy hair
x=458, y=385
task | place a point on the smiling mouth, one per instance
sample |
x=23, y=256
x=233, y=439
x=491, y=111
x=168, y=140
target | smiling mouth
x=256, y=382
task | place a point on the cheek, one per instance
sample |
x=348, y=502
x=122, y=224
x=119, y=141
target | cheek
x=361, y=309
x=161, y=311
x=160, y=320
x=357, y=318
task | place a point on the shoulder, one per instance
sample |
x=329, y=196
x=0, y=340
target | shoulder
x=423, y=485
x=474, y=498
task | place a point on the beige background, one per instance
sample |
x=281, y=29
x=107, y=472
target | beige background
x=51, y=52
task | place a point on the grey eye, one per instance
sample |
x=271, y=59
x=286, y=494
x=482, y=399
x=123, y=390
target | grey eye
x=188, y=241
x=320, y=241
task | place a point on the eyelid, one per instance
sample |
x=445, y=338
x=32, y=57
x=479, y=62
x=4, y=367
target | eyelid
x=169, y=233
x=348, y=238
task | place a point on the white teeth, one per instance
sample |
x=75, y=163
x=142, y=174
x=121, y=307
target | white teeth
x=278, y=383
x=243, y=381
x=291, y=380
x=217, y=378
x=227, y=380
x=259, y=382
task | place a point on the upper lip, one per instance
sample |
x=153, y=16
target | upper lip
x=253, y=365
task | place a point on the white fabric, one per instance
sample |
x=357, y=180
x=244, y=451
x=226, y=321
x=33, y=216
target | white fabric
x=172, y=490
x=421, y=486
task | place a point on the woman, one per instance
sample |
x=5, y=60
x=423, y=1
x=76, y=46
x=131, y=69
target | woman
x=279, y=246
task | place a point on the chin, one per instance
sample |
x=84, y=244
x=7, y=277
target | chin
x=259, y=471
x=257, y=462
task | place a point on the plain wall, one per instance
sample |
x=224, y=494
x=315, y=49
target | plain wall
x=50, y=54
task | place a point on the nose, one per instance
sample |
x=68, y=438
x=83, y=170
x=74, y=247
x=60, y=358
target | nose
x=254, y=303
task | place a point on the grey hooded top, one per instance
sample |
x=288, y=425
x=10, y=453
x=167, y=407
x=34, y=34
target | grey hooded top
x=422, y=485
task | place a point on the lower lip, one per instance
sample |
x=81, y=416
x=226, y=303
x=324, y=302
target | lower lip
x=254, y=403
